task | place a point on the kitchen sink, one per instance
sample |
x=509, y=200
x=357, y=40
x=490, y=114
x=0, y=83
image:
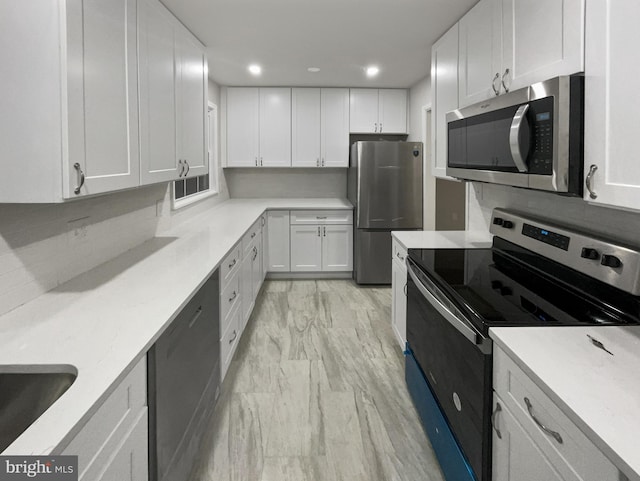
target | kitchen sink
x=26, y=393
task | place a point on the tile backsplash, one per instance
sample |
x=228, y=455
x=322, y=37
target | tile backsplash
x=566, y=211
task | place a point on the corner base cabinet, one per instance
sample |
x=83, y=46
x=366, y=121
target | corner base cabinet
x=398, y=293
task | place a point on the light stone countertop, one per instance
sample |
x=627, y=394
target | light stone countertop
x=430, y=239
x=599, y=392
x=103, y=321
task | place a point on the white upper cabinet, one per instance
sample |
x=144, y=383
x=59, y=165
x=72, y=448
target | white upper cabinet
x=191, y=72
x=334, y=127
x=612, y=98
x=108, y=112
x=258, y=127
x=509, y=44
x=542, y=39
x=444, y=95
x=305, y=127
x=243, y=108
x=102, y=92
x=157, y=96
x=320, y=127
x=378, y=111
x=480, y=52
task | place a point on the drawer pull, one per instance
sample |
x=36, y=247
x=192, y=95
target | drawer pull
x=232, y=264
x=321, y=217
x=235, y=334
x=493, y=420
x=195, y=317
x=551, y=433
x=253, y=235
x=399, y=256
x=235, y=294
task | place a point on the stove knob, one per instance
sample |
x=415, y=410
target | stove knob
x=610, y=261
x=589, y=253
x=507, y=224
x=496, y=285
x=498, y=221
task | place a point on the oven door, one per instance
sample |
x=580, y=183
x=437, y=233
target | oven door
x=456, y=362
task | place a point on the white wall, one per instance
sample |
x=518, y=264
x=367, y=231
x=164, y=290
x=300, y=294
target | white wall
x=566, y=211
x=41, y=248
x=265, y=182
x=420, y=131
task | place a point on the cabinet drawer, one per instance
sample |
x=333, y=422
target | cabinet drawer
x=399, y=253
x=230, y=265
x=321, y=217
x=229, y=298
x=230, y=339
x=515, y=388
x=251, y=236
x=96, y=442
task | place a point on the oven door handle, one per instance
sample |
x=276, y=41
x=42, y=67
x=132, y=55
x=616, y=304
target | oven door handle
x=459, y=324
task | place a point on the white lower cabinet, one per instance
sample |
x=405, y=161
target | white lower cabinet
x=306, y=248
x=337, y=245
x=278, y=240
x=533, y=439
x=113, y=444
x=398, y=293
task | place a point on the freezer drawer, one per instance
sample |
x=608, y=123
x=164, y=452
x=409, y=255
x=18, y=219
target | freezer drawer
x=372, y=260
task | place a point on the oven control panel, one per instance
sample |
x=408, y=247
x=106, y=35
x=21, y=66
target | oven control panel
x=604, y=259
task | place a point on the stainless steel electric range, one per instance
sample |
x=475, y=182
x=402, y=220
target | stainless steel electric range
x=536, y=273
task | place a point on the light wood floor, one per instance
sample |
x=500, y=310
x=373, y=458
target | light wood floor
x=316, y=392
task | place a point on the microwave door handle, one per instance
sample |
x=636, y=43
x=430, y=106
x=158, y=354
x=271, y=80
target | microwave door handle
x=461, y=326
x=514, y=137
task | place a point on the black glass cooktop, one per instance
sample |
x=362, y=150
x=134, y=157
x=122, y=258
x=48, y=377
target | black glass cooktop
x=511, y=286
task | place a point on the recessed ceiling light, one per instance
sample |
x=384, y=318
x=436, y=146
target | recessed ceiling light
x=313, y=69
x=372, y=71
x=255, y=69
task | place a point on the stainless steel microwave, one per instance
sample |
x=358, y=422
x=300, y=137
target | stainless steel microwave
x=531, y=137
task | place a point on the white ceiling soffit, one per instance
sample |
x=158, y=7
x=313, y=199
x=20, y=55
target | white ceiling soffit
x=341, y=37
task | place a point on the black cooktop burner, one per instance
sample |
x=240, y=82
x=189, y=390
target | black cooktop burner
x=508, y=285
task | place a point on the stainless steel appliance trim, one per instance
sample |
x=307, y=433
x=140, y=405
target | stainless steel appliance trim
x=514, y=136
x=431, y=294
x=517, y=97
x=626, y=277
x=505, y=178
x=550, y=432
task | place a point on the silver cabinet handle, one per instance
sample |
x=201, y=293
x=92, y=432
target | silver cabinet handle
x=318, y=231
x=493, y=420
x=504, y=86
x=180, y=167
x=235, y=334
x=555, y=435
x=188, y=168
x=588, y=181
x=380, y=126
x=318, y=162
x=375, y=127
x=322, y=161
x=493, y=84
x=261, y=162
x=232, y=264
x=519, y=119
x=324, y=232
x=399, y=256
x=235, y=294
x=321, y=217
x=262, y=220
x=195, y=317
x=256, y=161
x=405, y=290
x=80, y=178
x=253, y=235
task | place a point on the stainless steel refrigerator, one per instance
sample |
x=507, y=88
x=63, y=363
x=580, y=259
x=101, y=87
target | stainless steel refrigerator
x=385, y=187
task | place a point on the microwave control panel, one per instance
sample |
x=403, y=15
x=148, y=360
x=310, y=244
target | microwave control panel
x=540, y=117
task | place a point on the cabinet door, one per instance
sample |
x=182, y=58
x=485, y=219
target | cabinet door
x=265, y=246
x=392, y=111
x=480, y=59
x=515, y=455
x=130, y=461
x=275, y=127
x=157, y=96
x=246, y=285
x=102, y=96
x=399, y=302
x=611, y=81
x=334, y=130
x=337, y=248
x=363, y=111
x=542, y=39
x=306, y=248
x=444, y=95
x=192, y=103
x=278, y=240
x=243, y=105
x=305, y=127
x=256, y=270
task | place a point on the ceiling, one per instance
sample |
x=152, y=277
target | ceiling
x=341, y=37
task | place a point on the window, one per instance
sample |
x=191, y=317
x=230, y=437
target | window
x=188, y=191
